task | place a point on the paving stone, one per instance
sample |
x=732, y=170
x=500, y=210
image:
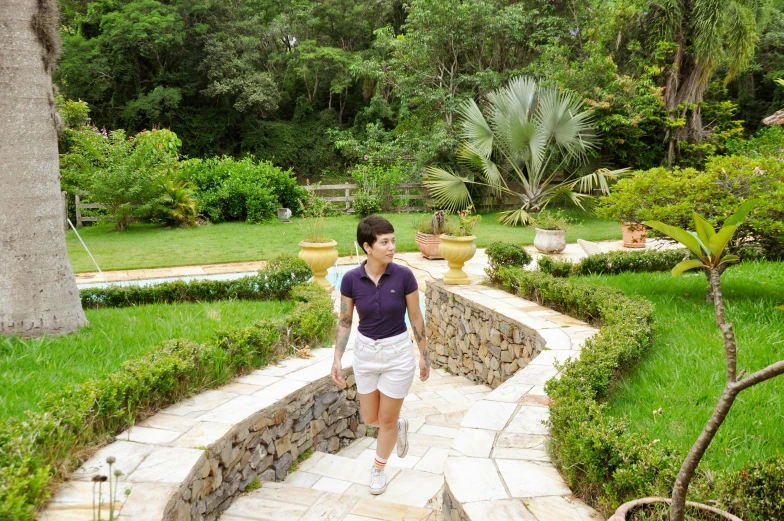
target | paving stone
x=260, y=380
x=551, y=356
x=346, y=469
x=336, y=486
x=476, y=443
x=562, y=508
x=435, y=430
x=330, y=507
x=128, y=456
x=500, y=510
x=423, y=440
x=74, y=502
x=148, y=435
x=356, y=448
x=301, y=479
x=534, y=374
x=311, y=461
x=285, y=367
x=555, y=338
x=433, y=461
x=521, y=441
x=238, y=409
x=524, y=454
x=170, y=422
x=320, y=369
x=531, y=479
x=384, y=510
x=528, y=420
x=473, y=479
x=241, y=388
x=203, y=434
x=288, y=494
x=148, y=501
x=167, y=465
x=413, y=487
x=262, y=509
x=200, y=403
x=488, y=415
x=454, y=407
x=280, y=389
x=509, y=392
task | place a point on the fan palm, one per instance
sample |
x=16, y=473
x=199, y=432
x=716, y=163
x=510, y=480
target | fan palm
x=178, y=205
x=535, y=137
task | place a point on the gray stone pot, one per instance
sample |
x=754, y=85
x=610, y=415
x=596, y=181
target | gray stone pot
x=550, y=241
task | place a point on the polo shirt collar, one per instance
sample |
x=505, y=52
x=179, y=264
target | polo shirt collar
x=363, y=273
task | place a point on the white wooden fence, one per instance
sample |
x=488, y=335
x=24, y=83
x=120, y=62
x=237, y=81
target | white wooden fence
x=347, y=198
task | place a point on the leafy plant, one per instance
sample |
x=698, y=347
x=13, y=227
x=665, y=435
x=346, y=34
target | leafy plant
x=552, y=220
x=366, y=201
x=613, y=263
x=466, y=222
x=177, y=206
x=504, y=254
x=379, y=189
x=437, y=224
x=711, y=249
x=534, y=136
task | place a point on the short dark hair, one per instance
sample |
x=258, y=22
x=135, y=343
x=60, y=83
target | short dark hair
x=370, y=228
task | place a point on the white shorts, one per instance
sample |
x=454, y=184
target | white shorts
x=387, y=364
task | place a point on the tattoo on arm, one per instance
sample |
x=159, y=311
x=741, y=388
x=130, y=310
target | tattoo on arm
x=344, y=325
x=419, y=334
x=342, y=340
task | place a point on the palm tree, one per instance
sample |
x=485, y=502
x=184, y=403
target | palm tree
x=38, y=293
x=707, y=33
x=538, y=137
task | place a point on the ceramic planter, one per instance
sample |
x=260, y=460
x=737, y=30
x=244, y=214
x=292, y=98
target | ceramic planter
x=428, y=244
x=634, y=235
x=623, y=510
x=456, y=251
x=550, y=241
x=320, y=256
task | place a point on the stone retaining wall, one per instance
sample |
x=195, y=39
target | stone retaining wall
x=474, y=341
x=266, y=444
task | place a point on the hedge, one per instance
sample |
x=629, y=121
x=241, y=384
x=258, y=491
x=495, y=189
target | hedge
x=603, y=460
x=273, y=282
x=41, y=450
x=614, y=262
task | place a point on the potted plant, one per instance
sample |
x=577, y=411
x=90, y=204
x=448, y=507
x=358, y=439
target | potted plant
x=428, y=234
x=710, y=248
x=458, y=247
x=551, y=231
x=317, y=250
x=627, y=208
x=634, y=234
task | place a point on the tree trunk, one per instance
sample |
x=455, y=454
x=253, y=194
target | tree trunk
x=38, y=293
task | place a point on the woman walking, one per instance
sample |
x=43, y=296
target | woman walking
x=384, y=361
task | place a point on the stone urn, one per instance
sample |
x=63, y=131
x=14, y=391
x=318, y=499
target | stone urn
x=457, y=251
x=623, y=511
x=319, y=256
x=550, y=241
x=634, y=235
x=428, y=244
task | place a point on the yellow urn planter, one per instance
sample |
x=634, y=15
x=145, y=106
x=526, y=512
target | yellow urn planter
x=457, y=251
x=319, y=256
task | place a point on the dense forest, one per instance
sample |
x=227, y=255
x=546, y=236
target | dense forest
x=316, y=85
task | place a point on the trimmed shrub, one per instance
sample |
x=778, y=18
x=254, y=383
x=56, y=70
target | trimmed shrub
x=614, y=262
x=602, y=459
x=43, y=449
x=726, y=182
x=273, y=282
x=505, y=254
x=241, y=190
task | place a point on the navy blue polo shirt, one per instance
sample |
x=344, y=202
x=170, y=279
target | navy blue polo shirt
x=382, y=308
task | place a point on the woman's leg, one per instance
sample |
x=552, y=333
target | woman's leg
x=368, y=407
x=388, y=414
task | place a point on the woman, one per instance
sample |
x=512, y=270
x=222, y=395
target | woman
x=384, y=361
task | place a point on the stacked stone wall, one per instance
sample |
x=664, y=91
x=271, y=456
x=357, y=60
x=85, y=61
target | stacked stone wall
x=472, y=340
x=265, y=445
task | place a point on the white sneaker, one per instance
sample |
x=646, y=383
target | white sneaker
x=378, y=481
x=402, y=437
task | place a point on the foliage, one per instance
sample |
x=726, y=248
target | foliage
x=379, y=189
x=274, y=281
x=726, y=182
x=44, y=447
x=757, y=490
x=466, y=221
x=366, y=202
x=613, y=263
x=534, y=134
x=436, y=224
x=245, y=190
x=177, y=206
x=767, y=142
x=502, y=254
x=551, y=220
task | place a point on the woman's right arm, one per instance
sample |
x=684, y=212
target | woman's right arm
x=344, y=330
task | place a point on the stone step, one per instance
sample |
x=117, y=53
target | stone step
x=284, y=502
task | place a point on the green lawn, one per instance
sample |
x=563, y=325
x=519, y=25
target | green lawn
x=29, y=369
x=149, y=246
x=684, y=373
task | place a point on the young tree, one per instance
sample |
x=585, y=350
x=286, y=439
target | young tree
x=38, y=293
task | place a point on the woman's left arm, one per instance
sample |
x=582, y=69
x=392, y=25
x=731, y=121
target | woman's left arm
x=418, y=325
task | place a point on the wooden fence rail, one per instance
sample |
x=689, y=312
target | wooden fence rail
x=348, y=198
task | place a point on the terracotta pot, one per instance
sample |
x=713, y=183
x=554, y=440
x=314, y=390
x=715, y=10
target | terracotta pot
x=550, y=241
x=457, y=250
x=428, y=244
x=623, y=510
x=634, y=235
x=320, y=256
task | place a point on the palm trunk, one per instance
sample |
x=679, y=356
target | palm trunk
x=38, y=293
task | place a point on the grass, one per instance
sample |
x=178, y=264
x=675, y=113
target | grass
x=684, y=373
x=150, y=246
x=31, y=368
